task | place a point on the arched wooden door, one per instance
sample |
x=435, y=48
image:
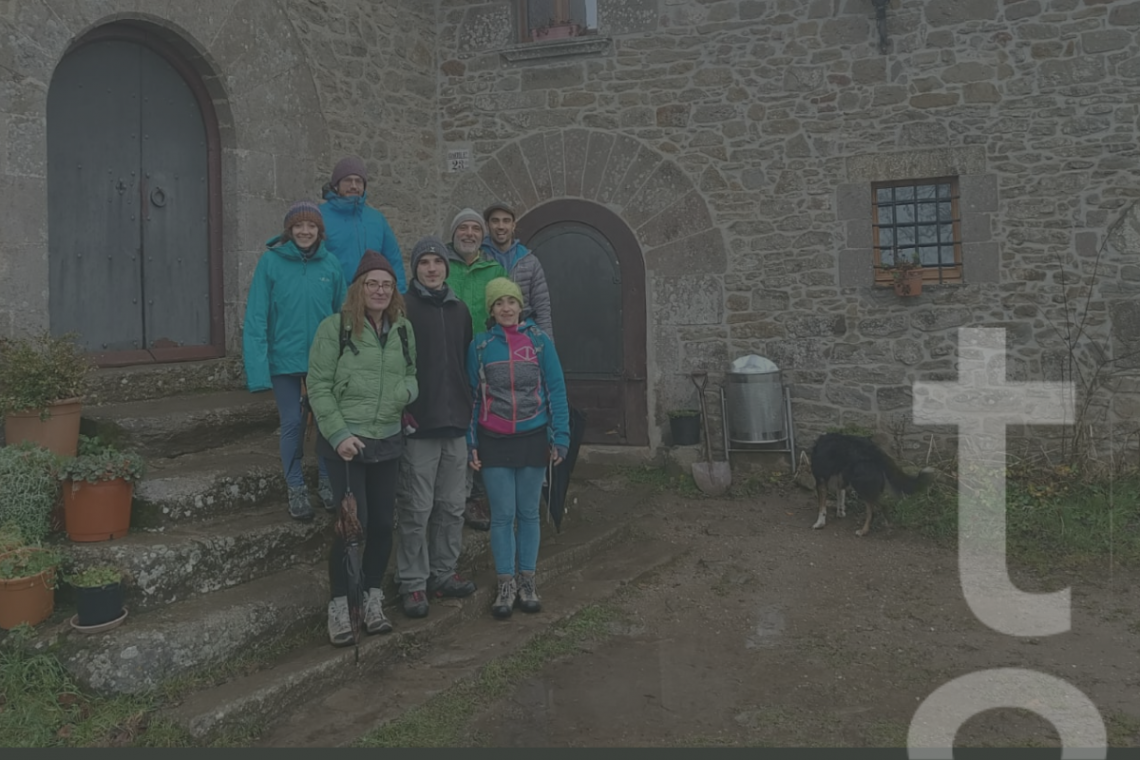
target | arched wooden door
x=596, y=276
x=133, y=228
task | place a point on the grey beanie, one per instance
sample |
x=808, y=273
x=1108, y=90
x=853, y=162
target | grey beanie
x=427, y=245
x=467, y=215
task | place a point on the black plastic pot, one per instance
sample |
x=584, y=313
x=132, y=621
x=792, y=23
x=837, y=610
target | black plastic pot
x=99, y=604
x=686, y=429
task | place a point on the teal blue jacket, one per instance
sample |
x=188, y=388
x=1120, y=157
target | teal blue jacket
x=353, y=227
x=288, y=298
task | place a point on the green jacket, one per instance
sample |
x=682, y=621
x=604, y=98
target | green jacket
x=362, y=394
x=470, y=284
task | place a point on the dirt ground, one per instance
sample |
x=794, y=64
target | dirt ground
x=771, y=633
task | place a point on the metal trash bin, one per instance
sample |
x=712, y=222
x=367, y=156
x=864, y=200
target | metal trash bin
x=755, y=409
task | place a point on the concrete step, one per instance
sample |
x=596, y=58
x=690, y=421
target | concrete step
x=158, y=644
x=207, y=484
x=151, y=647
x=262, y=698
x=177, y=425
x=339, y=717
x=185, y=561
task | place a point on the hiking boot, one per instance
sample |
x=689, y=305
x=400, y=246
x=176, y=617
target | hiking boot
x=453, y=585
x=528, y=593
x=477, y=516
x=299, y=506
x=324, y=491
x=375, y=621
x=505, y=600
x=416, y=604
x=340, y=627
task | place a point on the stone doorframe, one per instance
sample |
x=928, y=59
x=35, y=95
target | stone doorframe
x=685, y=254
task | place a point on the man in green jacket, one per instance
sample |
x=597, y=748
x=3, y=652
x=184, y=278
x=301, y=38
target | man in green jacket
x=469, y=272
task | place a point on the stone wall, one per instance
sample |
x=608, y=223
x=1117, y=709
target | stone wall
x=773, y=118
x=296, y=84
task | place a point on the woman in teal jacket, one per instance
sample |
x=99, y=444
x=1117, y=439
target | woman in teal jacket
x=297, y=283
x=355, y=227
x=362, y=374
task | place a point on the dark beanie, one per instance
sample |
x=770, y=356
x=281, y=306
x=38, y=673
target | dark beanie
x=373, y=260
x=304, y=211
x=429, y=245
x=346, y=166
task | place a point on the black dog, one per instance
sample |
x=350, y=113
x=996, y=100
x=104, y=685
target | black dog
x=841, y=461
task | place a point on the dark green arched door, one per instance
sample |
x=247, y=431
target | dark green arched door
x=596, y=278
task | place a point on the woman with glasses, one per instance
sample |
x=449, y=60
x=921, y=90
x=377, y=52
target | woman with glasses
x=362, y=373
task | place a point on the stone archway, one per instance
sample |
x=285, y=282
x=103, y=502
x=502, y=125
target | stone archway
x=665, y=212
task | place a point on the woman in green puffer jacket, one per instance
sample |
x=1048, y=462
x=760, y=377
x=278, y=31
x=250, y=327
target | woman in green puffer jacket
x=362, y=374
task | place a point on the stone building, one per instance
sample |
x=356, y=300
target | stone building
x=702, y=179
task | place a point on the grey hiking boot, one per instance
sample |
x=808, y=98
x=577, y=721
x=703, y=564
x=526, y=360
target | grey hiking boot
x=299, y=506
x=453, y=585
x=375, y=621
x=528, y=593
x=416, y=604
x=340, y=626
x=324, y=490
x=505, y=600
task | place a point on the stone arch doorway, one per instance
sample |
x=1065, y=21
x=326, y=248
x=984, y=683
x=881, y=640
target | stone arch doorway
x=596, y=275
x=134, y=201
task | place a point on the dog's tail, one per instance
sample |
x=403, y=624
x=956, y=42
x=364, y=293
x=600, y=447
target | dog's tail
x=904, y=484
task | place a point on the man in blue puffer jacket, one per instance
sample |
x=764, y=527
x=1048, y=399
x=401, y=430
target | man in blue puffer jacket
x=352, y=226
x=297, y=283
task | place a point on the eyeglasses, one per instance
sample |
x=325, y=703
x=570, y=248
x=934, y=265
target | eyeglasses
x=373, y=285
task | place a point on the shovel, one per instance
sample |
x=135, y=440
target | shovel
x=713, y=478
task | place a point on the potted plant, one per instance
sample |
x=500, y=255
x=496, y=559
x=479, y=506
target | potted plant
x=98, y=486
x=906, y=274
x=27, y=580
x=29, y=491
x=98, y=595
x=42, y=380
x=685, y=425
x=556, y=29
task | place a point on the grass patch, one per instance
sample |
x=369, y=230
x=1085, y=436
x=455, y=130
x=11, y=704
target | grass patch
x=41, y=706
x=659, y=479
x=1053, y=516
x=443, y=720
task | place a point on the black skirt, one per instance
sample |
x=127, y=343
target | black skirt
x=518, y=450
x=375, y=449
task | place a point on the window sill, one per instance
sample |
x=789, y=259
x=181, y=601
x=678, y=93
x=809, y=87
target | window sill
x=535, y=51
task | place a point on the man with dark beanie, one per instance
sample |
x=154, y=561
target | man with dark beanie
x=433, y=467
x=352, y=226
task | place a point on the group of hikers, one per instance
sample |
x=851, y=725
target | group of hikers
x=419, y=390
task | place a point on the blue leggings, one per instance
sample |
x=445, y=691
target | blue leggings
x=513, y=494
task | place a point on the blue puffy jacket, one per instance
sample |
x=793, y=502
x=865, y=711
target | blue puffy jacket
x=288, y=298
x=353, y=227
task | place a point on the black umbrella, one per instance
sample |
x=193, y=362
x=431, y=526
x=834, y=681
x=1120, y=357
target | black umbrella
x=558, y=476
x=351, y=532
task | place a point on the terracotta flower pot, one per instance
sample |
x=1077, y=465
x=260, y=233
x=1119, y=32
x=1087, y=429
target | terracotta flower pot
x=97, y=511
x=27, y=600
x=58, y=434
x=909, y=283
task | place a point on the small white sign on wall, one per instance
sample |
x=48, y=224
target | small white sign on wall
x=459, y=160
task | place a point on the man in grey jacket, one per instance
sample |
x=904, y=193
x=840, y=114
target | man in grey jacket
x=522, y=266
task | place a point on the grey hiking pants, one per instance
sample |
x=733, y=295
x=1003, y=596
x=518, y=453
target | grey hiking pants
x=430, y=508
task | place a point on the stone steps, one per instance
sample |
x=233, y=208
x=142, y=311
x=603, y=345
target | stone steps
x=167, y=641
x=186, y=561
x=264, y=698
x=217, y=482
x=178, y=425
